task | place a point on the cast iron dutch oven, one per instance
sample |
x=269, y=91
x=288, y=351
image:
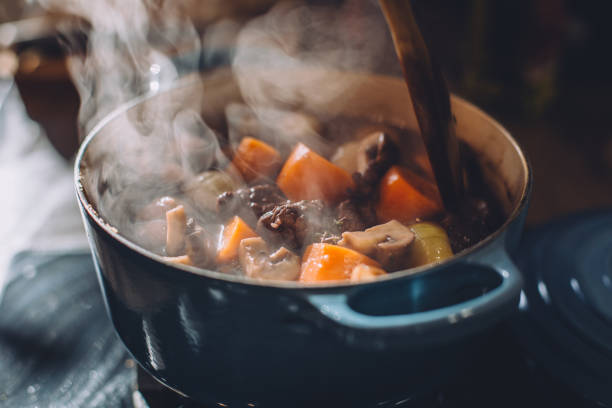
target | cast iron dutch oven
x=228, y=341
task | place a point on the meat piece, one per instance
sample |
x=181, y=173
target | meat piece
x=296, y=224
x=377, y=153
x=388, y=243
x=176, y=225
x=198, y=246
x=257, y=261
x=355, y=215
x=250, y=202
x=349, y=218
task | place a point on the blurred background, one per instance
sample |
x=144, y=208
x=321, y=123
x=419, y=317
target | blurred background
x=540, y=66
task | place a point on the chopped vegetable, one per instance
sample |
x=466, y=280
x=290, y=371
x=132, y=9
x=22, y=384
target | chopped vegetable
x=366, y=273
x=255, y=158
x=205, y=187
x=406, y=197
x=176, y=222
x=345, y=154
x=234, y=232
x=388, y=243
x=308, y=176
x=431, y=244
x=198, y=246
x=326, y=262
x=183, y=259
x=257, y=262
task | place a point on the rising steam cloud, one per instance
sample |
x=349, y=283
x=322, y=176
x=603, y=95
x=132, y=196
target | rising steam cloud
x=136, y=47
x=127, y=55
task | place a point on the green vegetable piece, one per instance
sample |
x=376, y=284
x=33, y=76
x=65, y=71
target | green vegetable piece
x=431, y=244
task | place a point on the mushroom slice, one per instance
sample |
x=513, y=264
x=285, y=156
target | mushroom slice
x=198, y=245
x=176, y=222
x=387, y=243
x=365, y=273
x=258, y=263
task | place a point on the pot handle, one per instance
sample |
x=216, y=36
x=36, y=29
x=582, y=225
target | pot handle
x=337, y=307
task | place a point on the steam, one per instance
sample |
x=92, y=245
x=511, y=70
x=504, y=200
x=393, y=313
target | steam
x=128, y=50
x=283, y=61
x=286, y=57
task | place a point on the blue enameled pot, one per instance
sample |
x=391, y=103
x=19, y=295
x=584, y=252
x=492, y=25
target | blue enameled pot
x=228, y=341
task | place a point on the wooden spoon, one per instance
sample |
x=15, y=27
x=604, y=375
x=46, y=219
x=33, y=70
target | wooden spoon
x=431, y=101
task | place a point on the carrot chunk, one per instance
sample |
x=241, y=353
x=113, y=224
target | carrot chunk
x=405, y=196
x=308, y=176
x=255, y=158
x=234, y=232
x=326, y=262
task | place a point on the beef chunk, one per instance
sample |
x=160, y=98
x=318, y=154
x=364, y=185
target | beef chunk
x=349, y=218
x=377, y=154
x=355, y=214
x=251, y=202
x=296, y=224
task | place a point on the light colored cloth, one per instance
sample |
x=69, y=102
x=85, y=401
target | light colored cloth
x=38, y=209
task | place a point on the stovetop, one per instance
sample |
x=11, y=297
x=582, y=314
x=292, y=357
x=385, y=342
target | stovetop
x=58, y=349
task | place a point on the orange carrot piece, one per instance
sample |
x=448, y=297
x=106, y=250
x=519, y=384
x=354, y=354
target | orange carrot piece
x=326, y=262
x=234, y=232
x=254, y=158
x=308, y=176
x=405, y=196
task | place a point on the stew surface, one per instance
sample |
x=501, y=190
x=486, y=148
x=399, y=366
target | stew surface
x=306, y=200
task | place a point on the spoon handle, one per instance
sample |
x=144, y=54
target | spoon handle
x=430, y=98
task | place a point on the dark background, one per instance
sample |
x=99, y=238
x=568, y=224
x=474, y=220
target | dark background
x=541, y=67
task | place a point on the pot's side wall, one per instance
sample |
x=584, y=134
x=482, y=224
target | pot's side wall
x=219, y=341
x=502, y=163
x=225, y=342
